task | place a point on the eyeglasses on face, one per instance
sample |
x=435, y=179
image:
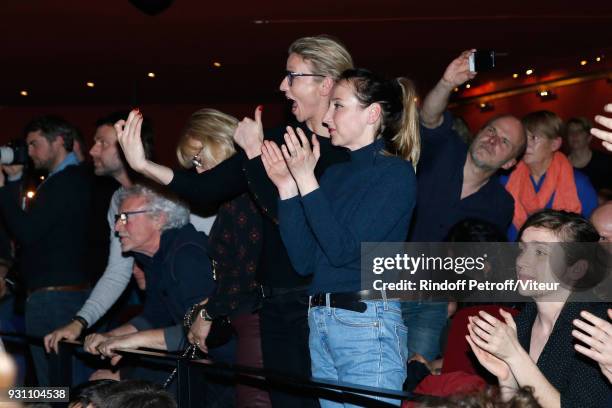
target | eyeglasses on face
x=123, y=216
x=292, y=75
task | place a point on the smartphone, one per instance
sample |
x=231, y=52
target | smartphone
x=482, y=60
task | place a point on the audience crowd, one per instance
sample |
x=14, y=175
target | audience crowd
x=250, y=252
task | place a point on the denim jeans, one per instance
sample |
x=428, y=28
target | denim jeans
x=425, y=322
x=45, y=312
x=366, y=348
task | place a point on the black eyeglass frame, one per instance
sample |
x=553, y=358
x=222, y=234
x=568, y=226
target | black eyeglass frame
x=292, y=75
x=124, y=216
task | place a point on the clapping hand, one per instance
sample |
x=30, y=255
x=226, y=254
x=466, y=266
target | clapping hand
x=277, y=170
x=494, y=336
x=493, y=342
x=598, y=336
x=302, y=159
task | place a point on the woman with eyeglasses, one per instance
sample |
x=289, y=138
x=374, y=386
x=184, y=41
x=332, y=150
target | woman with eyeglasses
x=314, y=65
x=354, y=336
x=235, y=246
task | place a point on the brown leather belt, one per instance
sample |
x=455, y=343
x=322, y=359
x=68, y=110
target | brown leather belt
x=66, y=288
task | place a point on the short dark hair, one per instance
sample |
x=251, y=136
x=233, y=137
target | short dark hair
x=90, y=392
x=568, y=226
x=138, y=394
x=580, y=241
x=581, y=121
x=51, y=128
x=146, y=131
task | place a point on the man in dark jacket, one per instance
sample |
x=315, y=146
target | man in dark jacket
x=52, y=234
x=177, y=268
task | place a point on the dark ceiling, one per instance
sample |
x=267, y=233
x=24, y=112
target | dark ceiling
x=51, y=48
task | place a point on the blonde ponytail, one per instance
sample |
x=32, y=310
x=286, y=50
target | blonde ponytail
x=407, y=140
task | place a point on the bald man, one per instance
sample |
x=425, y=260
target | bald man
x=602, y=221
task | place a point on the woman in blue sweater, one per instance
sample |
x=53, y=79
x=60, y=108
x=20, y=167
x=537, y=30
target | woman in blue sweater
x=368, y=199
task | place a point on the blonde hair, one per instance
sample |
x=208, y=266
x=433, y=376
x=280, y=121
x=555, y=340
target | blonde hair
x=214, y=129
x=399, y=124
x=407, y=140
x=327, y=54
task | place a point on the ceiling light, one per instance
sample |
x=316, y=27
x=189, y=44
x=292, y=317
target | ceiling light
x=529, y=71
x=151, y=74
x=90, y=84
x=486, y=107
x=468, y=86
x=514, y=76
x=598, y=59
x=23, y=93
x=547, y=95
x=217, y=64
x=456, y=89
x=583, y=62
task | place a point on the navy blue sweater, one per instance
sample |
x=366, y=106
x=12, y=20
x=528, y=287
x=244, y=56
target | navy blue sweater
x=369, y=199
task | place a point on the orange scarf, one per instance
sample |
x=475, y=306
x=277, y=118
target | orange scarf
x=559, y=181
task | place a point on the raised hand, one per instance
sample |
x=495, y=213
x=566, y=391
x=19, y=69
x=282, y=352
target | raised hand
x=249, y=134
x=301, y=159
x=128, y=136
x=458, y=71
x=598, y=336
x=604, y=135
x=277, y=170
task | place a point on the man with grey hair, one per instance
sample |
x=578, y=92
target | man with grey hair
x=173, y=255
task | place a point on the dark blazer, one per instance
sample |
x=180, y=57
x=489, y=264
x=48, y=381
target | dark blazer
x=53, y=233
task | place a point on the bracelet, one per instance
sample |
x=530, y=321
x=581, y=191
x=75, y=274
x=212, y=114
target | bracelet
x=81, y=321
x=204, y=315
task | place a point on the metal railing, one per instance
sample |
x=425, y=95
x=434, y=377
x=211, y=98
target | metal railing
x=191, y=372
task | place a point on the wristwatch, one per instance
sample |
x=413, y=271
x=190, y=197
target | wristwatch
x=81, y=321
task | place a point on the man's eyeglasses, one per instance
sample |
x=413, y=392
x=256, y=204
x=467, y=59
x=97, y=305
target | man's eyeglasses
x=292, y=75
x=123, y=216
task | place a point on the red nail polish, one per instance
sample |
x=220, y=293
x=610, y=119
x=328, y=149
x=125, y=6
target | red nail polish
x=260, y=108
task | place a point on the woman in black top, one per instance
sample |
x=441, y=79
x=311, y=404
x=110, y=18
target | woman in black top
x=235, y=242
x=537, y=349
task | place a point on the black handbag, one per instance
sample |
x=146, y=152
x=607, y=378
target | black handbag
x=221, y=332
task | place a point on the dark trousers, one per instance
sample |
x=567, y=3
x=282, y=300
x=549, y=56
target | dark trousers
x=45, y=312
x=248, y=353
x=284, y=341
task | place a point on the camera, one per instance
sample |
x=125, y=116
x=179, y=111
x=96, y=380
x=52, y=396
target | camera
x=15, y=152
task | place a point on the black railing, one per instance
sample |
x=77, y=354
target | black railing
x=190, y=373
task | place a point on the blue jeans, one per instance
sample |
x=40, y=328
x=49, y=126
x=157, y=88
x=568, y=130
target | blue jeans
x=366, y=348
x=425, y=322
x=45, y=312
